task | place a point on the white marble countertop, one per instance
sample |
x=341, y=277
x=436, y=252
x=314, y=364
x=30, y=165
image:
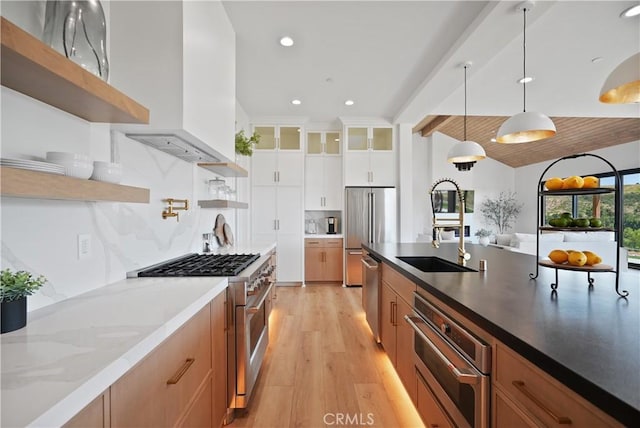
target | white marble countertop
x=323, y=235
x=70, y=352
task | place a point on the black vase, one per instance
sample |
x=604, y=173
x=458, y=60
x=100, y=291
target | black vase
x=13, y=315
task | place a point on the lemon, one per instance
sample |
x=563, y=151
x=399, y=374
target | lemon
x=554, y=183
x=573, y=182
x=559, y=256
x=592, y=258
x=577, y=258
x=590, y=182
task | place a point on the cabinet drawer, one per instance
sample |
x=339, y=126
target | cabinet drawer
x=158, y=390
x=333, y=243
x=542, y=396
x=313, y=242
x=402, y=285
x=323, y=242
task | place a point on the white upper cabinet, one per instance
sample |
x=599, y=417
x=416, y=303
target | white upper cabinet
x=323, y=171
x=279, y=138
x=178, y=59
x=369, y=158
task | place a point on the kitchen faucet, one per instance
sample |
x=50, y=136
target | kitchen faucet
x=463, y=256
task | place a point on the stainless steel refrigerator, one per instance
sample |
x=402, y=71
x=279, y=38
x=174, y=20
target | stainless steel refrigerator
x=370, y=217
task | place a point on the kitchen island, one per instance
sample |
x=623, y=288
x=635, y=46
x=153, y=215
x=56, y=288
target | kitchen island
x=587, y=339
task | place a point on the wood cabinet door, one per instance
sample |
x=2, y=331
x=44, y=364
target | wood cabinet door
x=314, y=265
x=505, y=414
x=429, y=409
x=219, y=326
x=388, y=307
x=333, y=263
x=95, y=415
x=404, y=349
x=199, y=415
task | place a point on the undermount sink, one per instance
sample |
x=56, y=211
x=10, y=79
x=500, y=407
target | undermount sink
x=434, y=264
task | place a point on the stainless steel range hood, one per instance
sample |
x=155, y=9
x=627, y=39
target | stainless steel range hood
x=180, y=146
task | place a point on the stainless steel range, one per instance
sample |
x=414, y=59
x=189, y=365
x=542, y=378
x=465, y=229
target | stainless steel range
x=251, y=278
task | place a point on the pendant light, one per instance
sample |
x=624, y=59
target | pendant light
x=623, y=84
x=526, y=126
x=465, y=154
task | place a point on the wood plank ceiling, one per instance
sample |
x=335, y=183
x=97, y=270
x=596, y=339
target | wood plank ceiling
x=574, y=135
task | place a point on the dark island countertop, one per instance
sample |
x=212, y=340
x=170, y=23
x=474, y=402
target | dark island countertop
x=588, y=339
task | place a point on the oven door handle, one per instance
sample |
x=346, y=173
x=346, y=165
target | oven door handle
x=256, y=307
x=461, y=377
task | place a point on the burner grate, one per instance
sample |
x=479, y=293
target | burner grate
x=203, y=265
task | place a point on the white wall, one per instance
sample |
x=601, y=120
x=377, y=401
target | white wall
x=40, y=236
x=623, y=156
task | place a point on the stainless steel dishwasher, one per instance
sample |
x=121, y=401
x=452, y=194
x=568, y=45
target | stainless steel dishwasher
x=370, y=293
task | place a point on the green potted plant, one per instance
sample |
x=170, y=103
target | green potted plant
x=483, y=236
x=244, y=144
x=14, y=289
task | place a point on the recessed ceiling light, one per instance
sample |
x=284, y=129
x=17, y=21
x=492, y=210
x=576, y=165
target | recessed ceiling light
x=349, y=103
x=286, y=41
x=631, y=12
x=296, y=102
x=525, y=79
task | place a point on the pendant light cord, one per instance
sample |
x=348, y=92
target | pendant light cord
x=465, y=104
x=524, y=61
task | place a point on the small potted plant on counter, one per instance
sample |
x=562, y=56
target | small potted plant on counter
x=244, y=144
x=483, y=236
x=14, y=289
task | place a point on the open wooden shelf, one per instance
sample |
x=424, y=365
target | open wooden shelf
x=35, y=69
x=22, y=183
x=225, y=169
x=222, y=203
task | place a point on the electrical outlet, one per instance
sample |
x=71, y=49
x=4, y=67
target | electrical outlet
x=84, y=246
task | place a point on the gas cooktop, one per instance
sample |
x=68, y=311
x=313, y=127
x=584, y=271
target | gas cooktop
x=202, y=265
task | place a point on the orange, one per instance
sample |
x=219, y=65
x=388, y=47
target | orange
x=559, y=256
x=577, y=258
x=573, y=182
x=554, y=183
x=590, y=182
x=592, y=258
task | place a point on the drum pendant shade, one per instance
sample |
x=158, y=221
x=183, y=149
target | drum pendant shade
x=527, y=126
x=623, y=84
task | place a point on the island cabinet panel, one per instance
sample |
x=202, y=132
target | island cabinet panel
x=395, y=334
x=427, y=405
x=164, y=387
x=95, y=415
x=220, y=312
x=538, y=396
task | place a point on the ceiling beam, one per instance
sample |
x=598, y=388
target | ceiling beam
x=434, y=124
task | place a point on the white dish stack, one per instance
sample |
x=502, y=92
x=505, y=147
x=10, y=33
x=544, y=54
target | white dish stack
x=75, y=164
x=81, y=166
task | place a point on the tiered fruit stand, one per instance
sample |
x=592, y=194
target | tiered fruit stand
x=542, y=193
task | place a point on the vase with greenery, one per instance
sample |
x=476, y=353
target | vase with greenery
x=502, y=211
x=244, y=144
x=14, y=289
x=483, y=236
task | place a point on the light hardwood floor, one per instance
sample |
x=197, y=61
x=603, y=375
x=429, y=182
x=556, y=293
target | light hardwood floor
x=323, y=367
